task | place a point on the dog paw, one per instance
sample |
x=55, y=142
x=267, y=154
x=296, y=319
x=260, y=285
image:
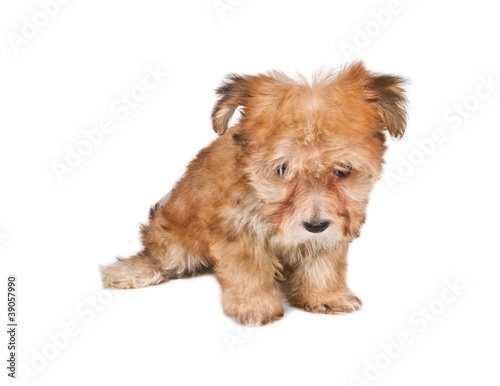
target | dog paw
x=124, y=275
x=254, y=312
x=337, y=303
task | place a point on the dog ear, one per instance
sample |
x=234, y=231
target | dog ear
x=390, y=97
x=232, y=94
x=384, y=91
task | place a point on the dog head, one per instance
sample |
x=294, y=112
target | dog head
x=313, y=150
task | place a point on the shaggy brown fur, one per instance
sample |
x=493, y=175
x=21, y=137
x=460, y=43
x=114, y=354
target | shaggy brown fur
x=273, y=205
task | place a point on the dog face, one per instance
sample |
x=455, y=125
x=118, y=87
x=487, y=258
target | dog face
x=313, y=151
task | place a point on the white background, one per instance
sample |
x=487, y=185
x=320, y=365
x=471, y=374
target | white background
x=439, y=223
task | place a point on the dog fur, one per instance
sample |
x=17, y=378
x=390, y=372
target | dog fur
x=302, y=153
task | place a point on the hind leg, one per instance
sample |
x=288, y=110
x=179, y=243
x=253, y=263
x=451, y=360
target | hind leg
x=136, y=271
x=162, y=259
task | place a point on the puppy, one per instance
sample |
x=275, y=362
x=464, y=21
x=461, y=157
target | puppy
x=273, y=203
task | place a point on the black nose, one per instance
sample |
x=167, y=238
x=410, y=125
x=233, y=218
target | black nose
x=316, y=226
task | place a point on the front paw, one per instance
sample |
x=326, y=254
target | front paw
x=335, y=303
x=253, y=311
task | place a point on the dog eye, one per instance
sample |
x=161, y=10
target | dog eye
x=282, y=170
x=343, y=171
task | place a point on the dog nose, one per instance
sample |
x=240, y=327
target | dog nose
x=316, y=226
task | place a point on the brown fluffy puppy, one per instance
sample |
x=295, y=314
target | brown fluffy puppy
x=273, y=204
